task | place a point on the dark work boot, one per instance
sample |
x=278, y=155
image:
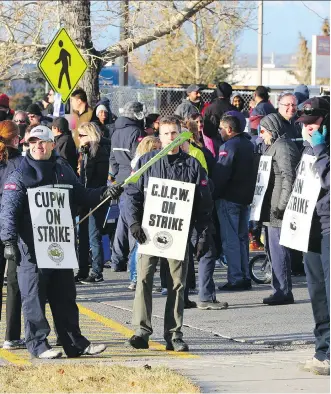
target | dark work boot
x=279, y=300
x=137, y=342
x=177, y=345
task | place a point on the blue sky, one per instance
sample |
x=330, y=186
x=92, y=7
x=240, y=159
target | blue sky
x=282, y=22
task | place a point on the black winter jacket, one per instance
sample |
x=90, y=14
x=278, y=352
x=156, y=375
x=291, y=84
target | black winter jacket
x=66, y=148
x=322, y=165
x=234, y=174
x=185, y=169
x=213, y=115
x=94, y=170
x=285, y=158
x=127, y=135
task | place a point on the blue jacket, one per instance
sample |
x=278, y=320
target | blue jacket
x=127, y=135
x=15, y=219
x=14, y=160
x=234, y=174
x=322, y=165
x=184, y=168
x=263, y=108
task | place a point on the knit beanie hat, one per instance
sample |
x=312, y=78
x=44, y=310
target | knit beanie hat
x=4, y=101
x=101, y=108
x=34, y=109
x=224, y=89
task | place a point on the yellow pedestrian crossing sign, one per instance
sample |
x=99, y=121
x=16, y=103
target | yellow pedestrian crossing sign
x=62, y=64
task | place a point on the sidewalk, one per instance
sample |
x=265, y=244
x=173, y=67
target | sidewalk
x=275, y=372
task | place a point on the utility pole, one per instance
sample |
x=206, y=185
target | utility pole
x=260, y=43
x=124, y=33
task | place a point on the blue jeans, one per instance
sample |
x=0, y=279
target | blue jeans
x=95, y=236
x=123, y=241
x=133, y=264
x=318, y=281
x=280, y=256
x=233, y=220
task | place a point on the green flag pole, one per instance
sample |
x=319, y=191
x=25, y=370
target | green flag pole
x=133, y=178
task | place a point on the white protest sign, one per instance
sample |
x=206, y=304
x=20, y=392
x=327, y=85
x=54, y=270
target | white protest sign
x=167, y=218
x=261, y=186
x=53, y=231
x=57, y=104
x=300, y=208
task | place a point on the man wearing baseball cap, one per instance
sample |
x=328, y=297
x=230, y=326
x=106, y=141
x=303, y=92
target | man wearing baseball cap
x=314, y=114
x=42, y=167
x=192, y=104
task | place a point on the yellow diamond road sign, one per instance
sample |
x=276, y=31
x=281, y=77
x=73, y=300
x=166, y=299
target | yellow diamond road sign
x=62, y=64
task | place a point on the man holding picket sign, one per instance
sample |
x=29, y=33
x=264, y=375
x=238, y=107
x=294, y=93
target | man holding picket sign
x=38, y=206
x=173, y=182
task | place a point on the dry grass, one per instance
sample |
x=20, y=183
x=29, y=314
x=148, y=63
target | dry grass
x=77, y=378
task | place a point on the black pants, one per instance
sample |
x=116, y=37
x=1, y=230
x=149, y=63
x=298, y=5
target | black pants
x=317, y=268
x=13, y=303
x=58, y=286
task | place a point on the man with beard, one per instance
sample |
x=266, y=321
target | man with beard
x=192, y=104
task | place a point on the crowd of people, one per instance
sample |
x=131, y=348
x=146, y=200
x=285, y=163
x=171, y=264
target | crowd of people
x=95, y=151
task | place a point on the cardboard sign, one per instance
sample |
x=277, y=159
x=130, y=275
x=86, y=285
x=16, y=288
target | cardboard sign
x=53, y=231
x=261, y=186
x=167, y=218
x=300, y=208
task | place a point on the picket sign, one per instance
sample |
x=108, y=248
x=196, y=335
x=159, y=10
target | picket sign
x=300, y=208
x=261, y=186
x=53, y=231
x=167, y=218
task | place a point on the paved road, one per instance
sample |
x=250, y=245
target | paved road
x=239, y=349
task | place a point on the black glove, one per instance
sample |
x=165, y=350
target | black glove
x=138, y=233
x=12, y=252
x=202, y=247
x=278, y=214
x=113, y=192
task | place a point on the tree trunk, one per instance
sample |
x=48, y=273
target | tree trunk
x=76, y=19
x=196, y=49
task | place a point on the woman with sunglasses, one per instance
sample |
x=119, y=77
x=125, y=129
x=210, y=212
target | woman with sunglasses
x=285, y=157
x=10, y=158
x=94, y=168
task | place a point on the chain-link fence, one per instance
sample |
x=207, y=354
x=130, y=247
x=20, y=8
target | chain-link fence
x=164, y=101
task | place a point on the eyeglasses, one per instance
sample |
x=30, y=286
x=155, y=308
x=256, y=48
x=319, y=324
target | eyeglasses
x=307, y=109
x=82, y=135
x=288, y=105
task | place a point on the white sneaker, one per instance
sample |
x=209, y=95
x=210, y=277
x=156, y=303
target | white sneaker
x=50, y=353
x=15, y=344
x=316, y=366
x=92, y=350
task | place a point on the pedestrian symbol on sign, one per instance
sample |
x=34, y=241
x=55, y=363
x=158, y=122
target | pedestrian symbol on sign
x=62, y=64
x=65, y=59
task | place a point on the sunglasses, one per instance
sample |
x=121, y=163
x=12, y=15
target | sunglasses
x=19, y=121
x=82, y=135
x=310, y=111
x=26, y=144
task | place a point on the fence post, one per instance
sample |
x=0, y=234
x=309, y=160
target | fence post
x=155, y=103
